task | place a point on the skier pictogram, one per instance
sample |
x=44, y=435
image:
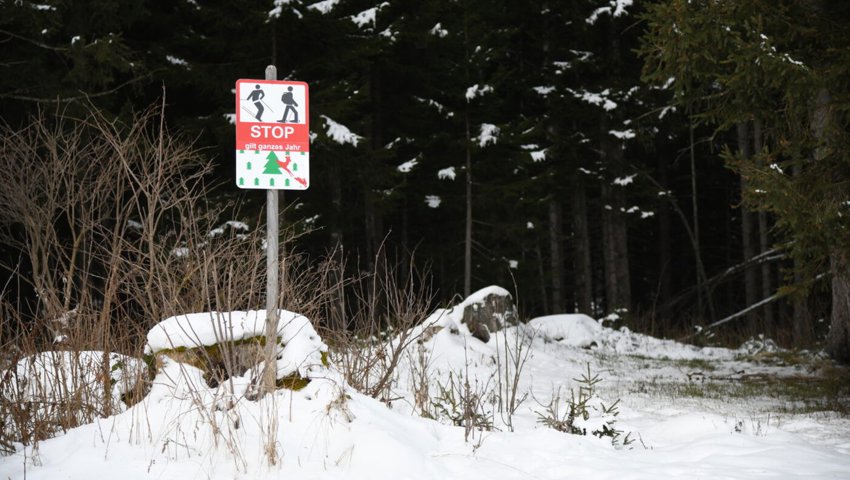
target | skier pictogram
x=256, y=96
x=288, y=100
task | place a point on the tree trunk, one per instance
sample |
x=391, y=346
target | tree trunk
x=467, y=238
x=336, y=281
x=581, y=247
x=665, y=247
x=373, y=221
x=556, y=256
x=615, y=249
x=695, y=219
x=748, y=228
x=802, y=316
x=544, y=301
x=838, y=340
x=467, y=241
x=764, y=245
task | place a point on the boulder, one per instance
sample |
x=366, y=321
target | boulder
x=224, y=345
x=487, y=311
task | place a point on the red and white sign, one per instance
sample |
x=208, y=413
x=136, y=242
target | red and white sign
x=272, y=134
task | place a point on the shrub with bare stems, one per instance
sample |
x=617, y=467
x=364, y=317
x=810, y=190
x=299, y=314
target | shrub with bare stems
x=387, y=304
x=113, y=232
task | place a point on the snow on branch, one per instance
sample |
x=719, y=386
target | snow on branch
x=477, y=91
x=367, y=17
x=324, y=7
x=489, y=134
x=340, y=133
x=615, y=8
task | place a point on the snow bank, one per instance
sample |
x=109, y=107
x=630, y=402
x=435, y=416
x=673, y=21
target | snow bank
x=577, y=330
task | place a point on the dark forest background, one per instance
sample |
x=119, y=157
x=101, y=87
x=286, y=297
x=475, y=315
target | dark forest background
x=644, y=158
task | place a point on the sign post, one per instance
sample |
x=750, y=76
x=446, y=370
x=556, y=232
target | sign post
x=273, y=154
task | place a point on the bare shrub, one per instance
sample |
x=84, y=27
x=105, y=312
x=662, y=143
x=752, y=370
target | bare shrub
x=114, y=232
x=463, y=402
x=511, y=356
x=387, y=304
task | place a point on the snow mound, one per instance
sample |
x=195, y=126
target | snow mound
x=302, y=348
x=577, y=329
x=53, y=385
x=57, y=373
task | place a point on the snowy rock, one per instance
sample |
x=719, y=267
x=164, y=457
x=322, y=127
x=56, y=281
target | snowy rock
x=488, y=310
x=577, y=329
x=231, y=344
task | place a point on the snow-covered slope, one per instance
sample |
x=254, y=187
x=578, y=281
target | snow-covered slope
x=186, y=430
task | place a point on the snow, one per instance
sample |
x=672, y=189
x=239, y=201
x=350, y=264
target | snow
x=623, y=134
x=389, y=33
x=407, y=166
x=599, y=99
x=623, y=181
x=439, y=31
x=340, y=133
x=539, y=155
x=302, y=346
x=176, y=61
x=184, y=428
x=577, y=330
x=488, y=134
x=324, y=7
x=367, y=17
x=544, y=90
x=278, y=8
x=437, y=105
x=447, y=173
x=615, y=8
x=433, y=201
x=231, y=224
x=477, y=91
x=53, y=374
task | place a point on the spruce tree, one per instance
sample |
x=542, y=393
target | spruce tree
x=781, y=64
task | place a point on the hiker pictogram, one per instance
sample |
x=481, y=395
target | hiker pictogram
x=289, y=100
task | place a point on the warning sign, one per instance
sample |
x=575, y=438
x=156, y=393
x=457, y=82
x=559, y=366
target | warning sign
x=272, y=135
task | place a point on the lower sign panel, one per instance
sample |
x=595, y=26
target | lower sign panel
x=272, y=170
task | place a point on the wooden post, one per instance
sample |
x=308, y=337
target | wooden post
x=272, y=267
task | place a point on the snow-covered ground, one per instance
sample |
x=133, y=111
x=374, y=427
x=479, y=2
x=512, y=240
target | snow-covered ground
x=679, y=406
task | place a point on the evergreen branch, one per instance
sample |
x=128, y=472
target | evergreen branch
x=34, y=42
x=83, y=95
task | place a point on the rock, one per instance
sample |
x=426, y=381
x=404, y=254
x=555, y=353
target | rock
x=488, y=310
x=220, y=361
x=232, y=344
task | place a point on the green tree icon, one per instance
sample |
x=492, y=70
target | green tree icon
x=271, y=166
